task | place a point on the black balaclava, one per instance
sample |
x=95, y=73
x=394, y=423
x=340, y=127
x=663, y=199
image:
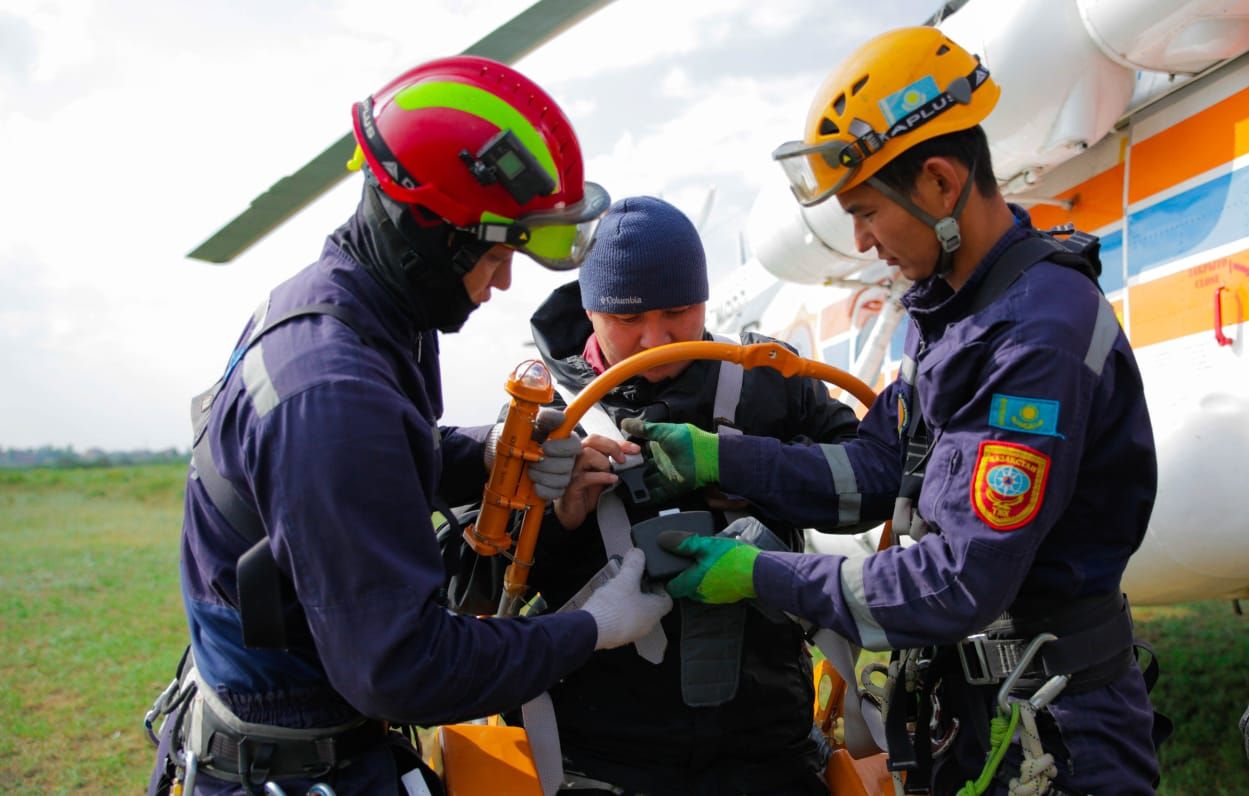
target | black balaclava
x=421, y=267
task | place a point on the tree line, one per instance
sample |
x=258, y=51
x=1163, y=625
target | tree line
x=67, y=457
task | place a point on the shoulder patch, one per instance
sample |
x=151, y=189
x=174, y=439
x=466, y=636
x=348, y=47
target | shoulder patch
x=1009, y=484
x=904, y=417
x=1029, y=415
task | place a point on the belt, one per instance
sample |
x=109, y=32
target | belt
x=1094, y=654
x=254, y=758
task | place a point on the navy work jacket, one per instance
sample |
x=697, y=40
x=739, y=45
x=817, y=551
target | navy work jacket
x=334, y=439
x=1038, y=487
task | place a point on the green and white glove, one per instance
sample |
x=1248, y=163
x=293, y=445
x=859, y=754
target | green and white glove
x=682, y=458
x=723, y=570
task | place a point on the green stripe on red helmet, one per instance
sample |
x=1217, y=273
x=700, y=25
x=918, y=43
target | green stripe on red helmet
x=484, y=105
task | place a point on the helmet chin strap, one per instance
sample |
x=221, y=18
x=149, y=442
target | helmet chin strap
x=946, y=229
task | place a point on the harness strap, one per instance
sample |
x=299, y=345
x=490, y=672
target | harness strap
x=234, y=750
x=728, y=392
x=1027, y=252
x=260, y=582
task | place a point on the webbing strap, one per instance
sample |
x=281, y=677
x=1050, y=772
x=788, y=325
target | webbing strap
x=260, y=583
x=728, y=392
x=538, y=716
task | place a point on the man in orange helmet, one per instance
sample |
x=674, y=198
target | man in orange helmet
x=1015, y=447
x=311, y=575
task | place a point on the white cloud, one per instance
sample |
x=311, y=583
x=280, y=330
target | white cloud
x=133, y=130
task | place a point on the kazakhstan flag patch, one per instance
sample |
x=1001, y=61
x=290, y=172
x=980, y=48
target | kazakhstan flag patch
x=1029, y=415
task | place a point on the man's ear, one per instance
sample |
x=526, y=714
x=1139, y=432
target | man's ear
x=940, y=182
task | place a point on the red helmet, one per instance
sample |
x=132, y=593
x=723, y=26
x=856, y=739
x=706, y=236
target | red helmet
x=482, y=147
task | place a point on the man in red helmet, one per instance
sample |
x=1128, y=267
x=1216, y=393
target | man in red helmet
x=310, y=571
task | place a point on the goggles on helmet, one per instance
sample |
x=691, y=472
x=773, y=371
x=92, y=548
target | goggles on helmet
x=820, y=170
x=557, y=239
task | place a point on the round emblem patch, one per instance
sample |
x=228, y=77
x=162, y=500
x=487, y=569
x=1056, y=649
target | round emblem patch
x=1008, y=487
x=1008, y=481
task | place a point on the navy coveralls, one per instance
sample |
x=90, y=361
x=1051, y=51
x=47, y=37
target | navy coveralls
x=1039, y=487
x=337, y=442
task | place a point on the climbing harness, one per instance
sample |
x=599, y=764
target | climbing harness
x=1038, y=648
x=261, y=586
x=205, y=736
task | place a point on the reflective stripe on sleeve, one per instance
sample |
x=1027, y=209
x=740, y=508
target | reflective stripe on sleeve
x=906, y=371
x=256, y=379
x=1105, y=332
x=870, y=632
x=849, y=500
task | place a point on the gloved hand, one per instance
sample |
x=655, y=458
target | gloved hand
x=551, y=475
x=622, y=611
x=723, y=570
x=682, y=458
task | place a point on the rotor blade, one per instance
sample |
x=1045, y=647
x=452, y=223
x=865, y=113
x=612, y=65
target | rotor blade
x=511, y=41
x=705, y=212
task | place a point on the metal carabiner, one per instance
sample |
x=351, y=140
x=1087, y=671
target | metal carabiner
x=159, y=708
x=1008, y=684
x=192, y=771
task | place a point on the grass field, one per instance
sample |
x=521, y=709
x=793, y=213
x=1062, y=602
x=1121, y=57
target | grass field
x=91, y=626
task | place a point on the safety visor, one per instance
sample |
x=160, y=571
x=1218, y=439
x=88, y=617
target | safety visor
x=834, y=163
x=557, y=239
x=818, y=171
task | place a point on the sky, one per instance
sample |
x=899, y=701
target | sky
x=132, y=131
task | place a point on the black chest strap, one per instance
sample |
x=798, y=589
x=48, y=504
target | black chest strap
x=261, y=585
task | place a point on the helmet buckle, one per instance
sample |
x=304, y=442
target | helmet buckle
x=948, y=234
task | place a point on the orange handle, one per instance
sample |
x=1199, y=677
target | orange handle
x=771, y=355
x=504, y=491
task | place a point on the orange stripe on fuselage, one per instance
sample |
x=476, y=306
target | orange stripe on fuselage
x=1098, y=201
x=1183, y=303
x=1193, y=146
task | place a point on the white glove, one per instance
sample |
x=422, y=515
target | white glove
x=622, y=611
x=551, y=475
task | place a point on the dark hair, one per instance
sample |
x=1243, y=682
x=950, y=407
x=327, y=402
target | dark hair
x=965, y=146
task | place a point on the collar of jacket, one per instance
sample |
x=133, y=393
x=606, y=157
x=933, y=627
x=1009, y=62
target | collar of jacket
x=933, y=305
x=413, y=265
x=346, y=271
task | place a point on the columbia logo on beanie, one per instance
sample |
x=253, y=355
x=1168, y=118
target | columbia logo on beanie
x=646, y=255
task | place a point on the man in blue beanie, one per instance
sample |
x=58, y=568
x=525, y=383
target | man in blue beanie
x=720, y=702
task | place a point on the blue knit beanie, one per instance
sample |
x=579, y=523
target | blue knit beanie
x=646, y=255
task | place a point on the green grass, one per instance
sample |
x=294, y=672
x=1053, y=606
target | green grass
x=90, y=623
x=1204, y=652
x=91, y=627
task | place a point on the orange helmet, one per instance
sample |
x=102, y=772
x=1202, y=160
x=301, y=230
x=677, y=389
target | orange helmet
x=484, y=148
x=897, y=90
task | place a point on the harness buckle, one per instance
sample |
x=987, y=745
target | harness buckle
x=982, y=676
x=993, y=659
x=1046, y=692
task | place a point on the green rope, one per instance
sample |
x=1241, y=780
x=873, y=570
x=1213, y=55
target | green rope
x=1001, y=730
